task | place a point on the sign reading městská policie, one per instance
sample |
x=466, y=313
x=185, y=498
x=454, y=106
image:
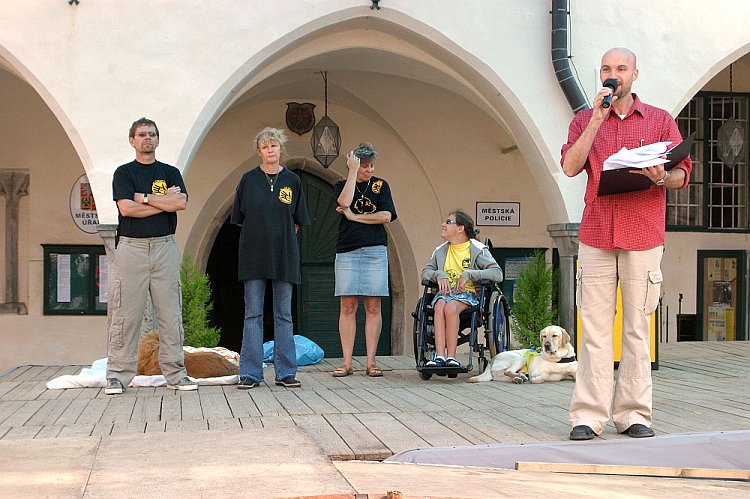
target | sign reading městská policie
x=497, y=213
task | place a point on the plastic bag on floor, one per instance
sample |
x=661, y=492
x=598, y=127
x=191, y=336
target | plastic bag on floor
x=308, y=352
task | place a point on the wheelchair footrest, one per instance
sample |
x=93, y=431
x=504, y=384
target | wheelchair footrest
x=444, y=371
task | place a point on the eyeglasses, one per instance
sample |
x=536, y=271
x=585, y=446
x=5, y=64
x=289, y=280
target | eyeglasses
x=450, y=222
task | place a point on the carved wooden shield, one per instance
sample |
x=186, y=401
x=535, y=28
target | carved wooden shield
x=300, y=118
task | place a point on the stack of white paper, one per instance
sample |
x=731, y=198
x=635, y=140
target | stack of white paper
x=640, y=157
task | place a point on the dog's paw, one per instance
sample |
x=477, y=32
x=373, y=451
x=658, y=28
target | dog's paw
x=520, y=378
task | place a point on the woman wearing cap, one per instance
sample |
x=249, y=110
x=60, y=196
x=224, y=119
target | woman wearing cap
x=270, y=206
x=366, y=205
x=455, y=266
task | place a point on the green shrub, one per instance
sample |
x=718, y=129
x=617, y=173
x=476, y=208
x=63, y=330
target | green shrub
x=196, y=304
x=536, y=290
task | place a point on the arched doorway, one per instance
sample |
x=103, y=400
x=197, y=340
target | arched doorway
x=315, y=309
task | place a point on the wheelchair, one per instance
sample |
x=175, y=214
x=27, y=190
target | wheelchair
x=491, y=315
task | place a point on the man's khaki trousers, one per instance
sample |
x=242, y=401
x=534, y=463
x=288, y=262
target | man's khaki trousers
x=146, y=265
x=640, y=279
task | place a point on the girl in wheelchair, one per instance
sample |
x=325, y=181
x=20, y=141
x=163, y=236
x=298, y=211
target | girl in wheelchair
x=455, y=266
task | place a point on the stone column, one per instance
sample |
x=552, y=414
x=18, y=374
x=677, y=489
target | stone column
x=566, y=240
x=14, y=184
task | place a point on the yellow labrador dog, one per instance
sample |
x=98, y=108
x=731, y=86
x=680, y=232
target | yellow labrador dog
x=555, y=362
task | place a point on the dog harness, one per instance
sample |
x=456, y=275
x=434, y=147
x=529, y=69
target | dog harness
x=527, y=355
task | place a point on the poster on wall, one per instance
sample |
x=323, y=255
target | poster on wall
x=83, y=206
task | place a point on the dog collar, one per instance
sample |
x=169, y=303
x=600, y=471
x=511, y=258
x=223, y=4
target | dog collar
x=567, y=359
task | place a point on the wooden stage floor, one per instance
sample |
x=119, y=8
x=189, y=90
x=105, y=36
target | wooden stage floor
x=699, y=387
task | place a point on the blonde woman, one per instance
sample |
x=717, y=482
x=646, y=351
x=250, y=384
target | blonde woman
x=270, y=206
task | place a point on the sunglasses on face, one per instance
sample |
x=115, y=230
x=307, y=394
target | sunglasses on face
x=450, y=222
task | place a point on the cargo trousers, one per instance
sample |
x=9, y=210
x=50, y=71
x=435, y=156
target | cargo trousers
x=146, y=265
x=640, y=278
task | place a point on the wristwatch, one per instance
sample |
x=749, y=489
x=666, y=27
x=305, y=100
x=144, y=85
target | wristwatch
x=145, y=197
x=662, y=180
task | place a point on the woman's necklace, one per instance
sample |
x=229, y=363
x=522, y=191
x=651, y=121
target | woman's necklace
x=271, y=179
x=362, y=193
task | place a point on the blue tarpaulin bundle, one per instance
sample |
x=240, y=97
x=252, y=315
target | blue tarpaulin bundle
x=308, y=352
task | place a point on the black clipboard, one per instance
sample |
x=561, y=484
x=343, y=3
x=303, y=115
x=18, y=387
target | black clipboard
x=620, y=180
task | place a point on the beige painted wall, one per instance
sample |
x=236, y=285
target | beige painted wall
x=77, y=76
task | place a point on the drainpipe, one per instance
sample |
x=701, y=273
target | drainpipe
x=560, y=60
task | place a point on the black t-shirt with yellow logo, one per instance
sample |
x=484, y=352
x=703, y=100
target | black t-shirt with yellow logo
x=268, y=244
x=369, y=197
x=153, y=179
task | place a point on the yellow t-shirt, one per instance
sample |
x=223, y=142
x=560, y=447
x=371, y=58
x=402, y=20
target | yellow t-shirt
x=457, y=260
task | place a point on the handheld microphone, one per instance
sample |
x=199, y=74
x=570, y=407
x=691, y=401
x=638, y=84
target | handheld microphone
x=609, y=83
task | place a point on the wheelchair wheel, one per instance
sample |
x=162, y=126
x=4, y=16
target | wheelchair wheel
x=498, y=331
x=423, y=336
x=425, y=376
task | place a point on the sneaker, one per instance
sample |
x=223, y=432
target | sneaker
x=451, y=362
x=247, y=383
x=114, y=387
x=185, y=384
x=438, y=362
x=289, y=382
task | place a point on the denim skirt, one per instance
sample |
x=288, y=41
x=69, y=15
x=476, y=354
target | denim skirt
x=362, y=272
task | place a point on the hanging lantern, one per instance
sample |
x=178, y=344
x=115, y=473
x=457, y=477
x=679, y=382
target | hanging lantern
x=326, y=137
x=730, y=141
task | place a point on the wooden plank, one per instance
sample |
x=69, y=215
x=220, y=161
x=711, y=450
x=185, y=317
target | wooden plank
x=7, y=386
x=467, y=431
x=325, y=436
x=50, y=431
x=49, y=412
x=240, y=403
x=15, y=373
x=280, y=421
x=129, y=428
x=215, y=405
x=21, y=433
x=7, y=408
x=146, y=409
x=392, y=432
x=219, y=424
x=188, y=425
x=430, y=430
x=373, y=401
x=156, y=426
x=82, y=430
x=621, y=469
x=266, y=403
x=291, y=403
x=24, y=413
x=93, y=411
x=71, y=414
x=358, y=437
x=118, y=410
x=32, y=373
x=102, y=429
x=171, y=408
x=251, y=423
x=191, y=405
x=337, y=401
x=315, y=402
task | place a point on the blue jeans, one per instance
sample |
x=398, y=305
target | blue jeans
x=251, y=355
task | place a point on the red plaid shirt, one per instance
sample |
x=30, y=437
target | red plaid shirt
x=631, y=220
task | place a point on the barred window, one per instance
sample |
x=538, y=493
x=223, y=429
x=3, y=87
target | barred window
x=717, y=196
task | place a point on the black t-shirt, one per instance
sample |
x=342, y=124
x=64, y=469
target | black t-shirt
x=268, y=244
x=153, y=179
x=369, y=197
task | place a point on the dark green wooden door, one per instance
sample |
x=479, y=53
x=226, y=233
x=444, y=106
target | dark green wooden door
x=317, y=307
